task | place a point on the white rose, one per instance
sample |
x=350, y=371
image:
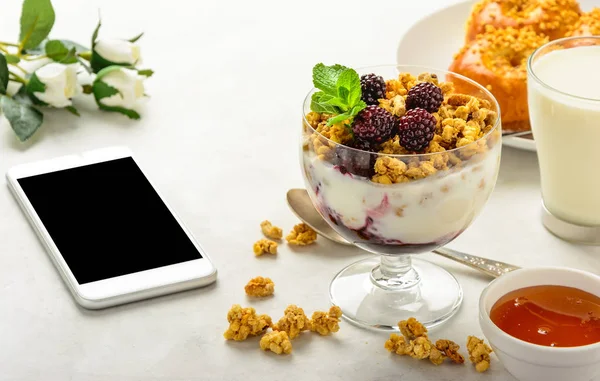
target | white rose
x=60, y=83
x=118, y=51
x=129, y=84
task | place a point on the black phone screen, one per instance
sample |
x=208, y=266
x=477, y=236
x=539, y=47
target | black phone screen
x=107, y=220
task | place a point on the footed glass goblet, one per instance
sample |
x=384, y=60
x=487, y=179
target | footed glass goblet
x=395, y=203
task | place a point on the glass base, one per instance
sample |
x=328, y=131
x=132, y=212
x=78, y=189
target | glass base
x=586, y=235
x=432, y=295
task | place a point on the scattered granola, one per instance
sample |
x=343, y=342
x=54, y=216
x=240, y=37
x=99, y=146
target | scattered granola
x=450, y=349
x=325, y=323
x=244, y=322
x=301, y=235
x=264, y=246
x=293, y=321
x=277, y=342
x=415, y=343
x=270, y=231
x=260, y=287
x=420, y=348
x=412, y=328
x=479, y=353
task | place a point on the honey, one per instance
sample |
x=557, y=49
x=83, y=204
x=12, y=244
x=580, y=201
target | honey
x=549, y=315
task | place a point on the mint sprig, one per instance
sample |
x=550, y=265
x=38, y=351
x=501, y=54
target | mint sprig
x=340, y=93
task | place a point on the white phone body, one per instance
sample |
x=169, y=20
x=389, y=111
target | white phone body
x=121, y=289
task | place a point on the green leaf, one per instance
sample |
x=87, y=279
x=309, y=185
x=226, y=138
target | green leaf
x=37, y=19
x=72, y=44
x=41, y=48
x=72, y=110
x=95, y=34
x=10, y=59
x=23, y=97
x=146, y=72
x=99, y=63
x=325, y=77
x=24, y=119
x=57, y=51
x=320, y=105
x=103, y=90
x=350, y=81
x=3, y=74
x=125, y=111
x=136, y=37
x=35, y=85
x=338, y=119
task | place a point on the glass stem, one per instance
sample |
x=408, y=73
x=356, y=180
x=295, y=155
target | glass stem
x=395, y=266
x=395, y=272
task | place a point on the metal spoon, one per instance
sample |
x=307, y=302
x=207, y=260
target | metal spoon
x=301, y=205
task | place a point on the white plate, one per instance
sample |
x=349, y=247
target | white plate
x=433, y=41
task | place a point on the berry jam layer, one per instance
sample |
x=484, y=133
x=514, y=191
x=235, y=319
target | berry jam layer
x=412, y=216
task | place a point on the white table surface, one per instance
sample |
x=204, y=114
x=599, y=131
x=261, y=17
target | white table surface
x=219, y=137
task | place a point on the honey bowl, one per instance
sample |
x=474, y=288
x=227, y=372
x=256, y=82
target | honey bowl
x=544, y=323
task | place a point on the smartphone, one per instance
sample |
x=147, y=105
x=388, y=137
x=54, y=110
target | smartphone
x=109, y=232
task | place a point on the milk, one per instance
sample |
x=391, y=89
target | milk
x=567, y=132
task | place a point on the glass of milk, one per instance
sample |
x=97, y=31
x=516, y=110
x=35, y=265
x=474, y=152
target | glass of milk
x=564, y=109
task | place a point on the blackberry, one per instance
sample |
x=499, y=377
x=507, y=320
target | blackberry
x=373, y=88
x=416, y=129
x=374, y=125
x=356, y=162
x=424, y=95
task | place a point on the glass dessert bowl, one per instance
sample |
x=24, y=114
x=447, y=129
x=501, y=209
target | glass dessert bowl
x=406, y=174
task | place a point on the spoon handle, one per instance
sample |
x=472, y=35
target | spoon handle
x=487, y=266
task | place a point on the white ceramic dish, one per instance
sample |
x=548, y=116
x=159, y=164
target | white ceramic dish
x=433, y=40
x=531, y=362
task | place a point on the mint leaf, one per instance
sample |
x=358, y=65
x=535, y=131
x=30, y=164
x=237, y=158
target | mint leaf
x=12, y=59
x=136, y=37
x=24, y=119
x=319, y=104
x=350, y=81
x=338, y=119
x=357, y=108
x=325, y=77
x=59, y=52
x=37, y=19
x=3, y=74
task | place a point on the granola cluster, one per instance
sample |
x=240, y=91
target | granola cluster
x=479, y=353
x=293, y=321
x=270, y=231
x=260, y=287
x=264, y=246
x=325, y=323
x=301, y=235
x=244, y=322
x=415, y=342
x=460, y=121
x=277, y=342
